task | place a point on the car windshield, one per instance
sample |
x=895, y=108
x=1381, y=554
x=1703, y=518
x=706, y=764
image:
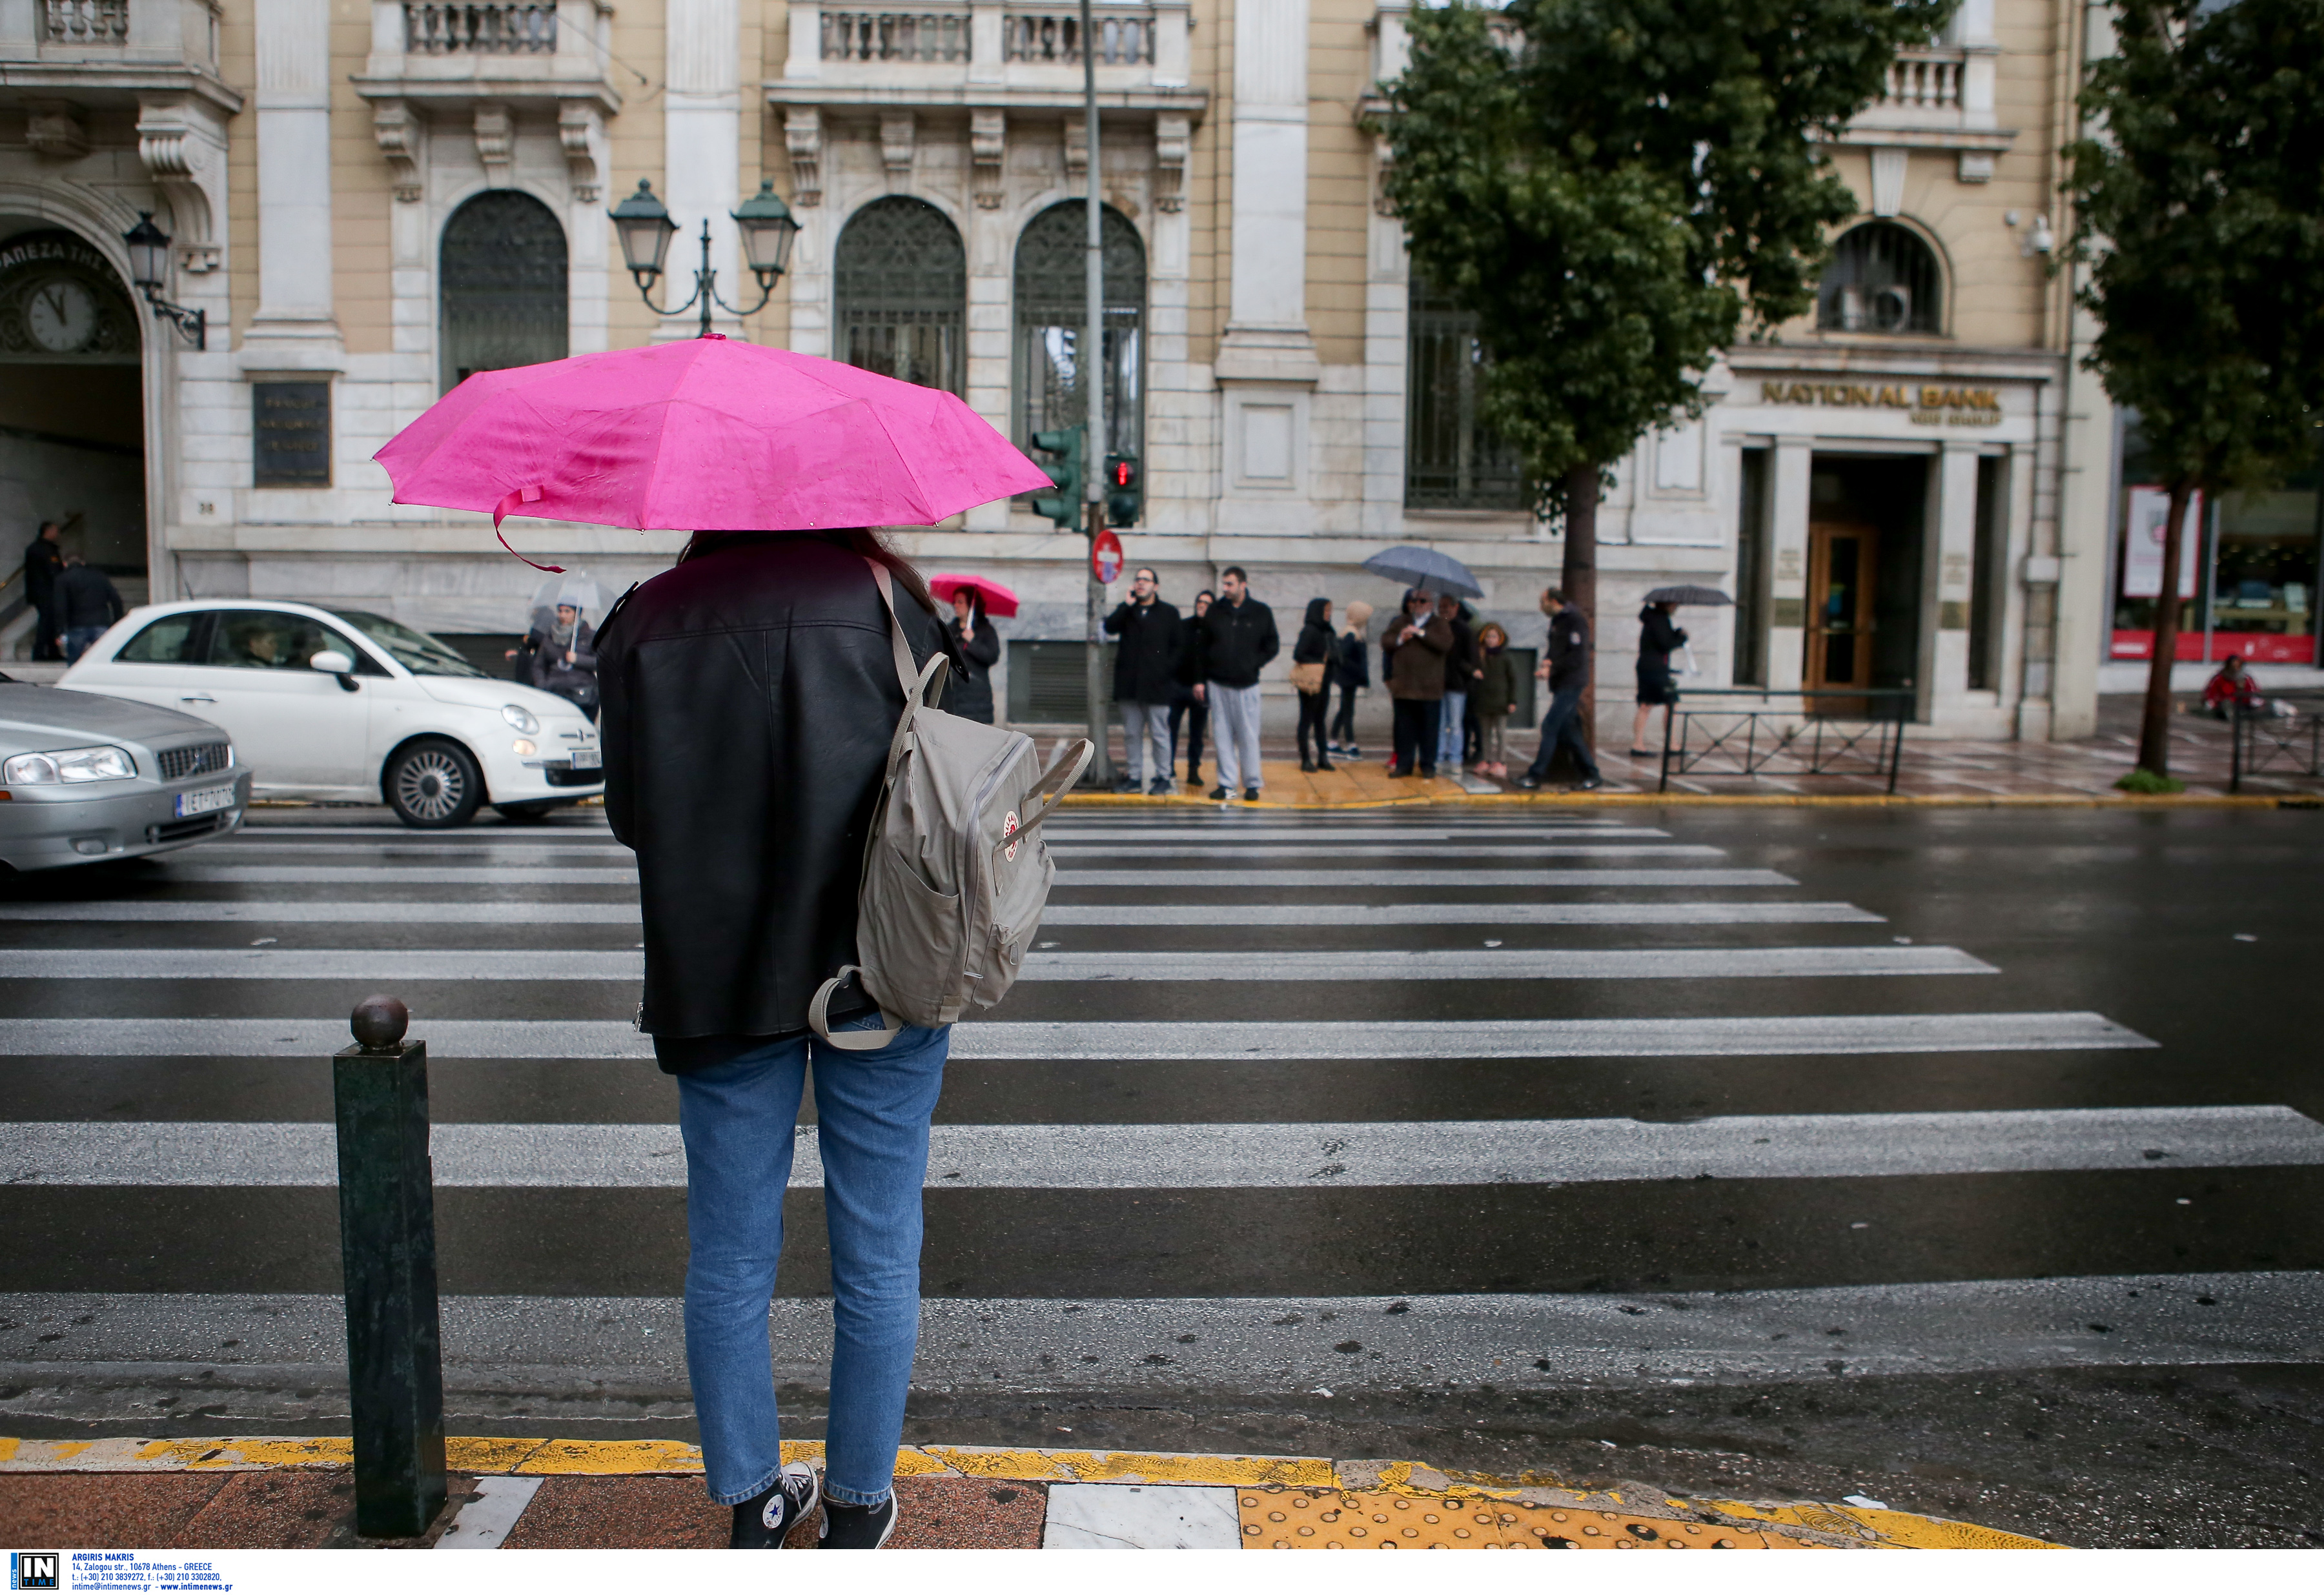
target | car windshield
x=416, y=652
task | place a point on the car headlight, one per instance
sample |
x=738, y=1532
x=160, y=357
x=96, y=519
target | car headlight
x=71, y=765
x=518, y=715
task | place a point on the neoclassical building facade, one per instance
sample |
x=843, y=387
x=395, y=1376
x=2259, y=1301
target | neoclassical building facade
x=367, y=199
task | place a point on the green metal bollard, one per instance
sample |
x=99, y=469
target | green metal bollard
x=387, y=1245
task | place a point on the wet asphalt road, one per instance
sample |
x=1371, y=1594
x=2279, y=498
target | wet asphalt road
x=2017, y=1222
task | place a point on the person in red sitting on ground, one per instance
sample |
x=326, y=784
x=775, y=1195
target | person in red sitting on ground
x=2232, y=685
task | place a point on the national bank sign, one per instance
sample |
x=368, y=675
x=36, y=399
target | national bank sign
x=1928, y=405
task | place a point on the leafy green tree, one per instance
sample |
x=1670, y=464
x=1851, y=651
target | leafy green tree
x=1619, y=189
x=2200, y=211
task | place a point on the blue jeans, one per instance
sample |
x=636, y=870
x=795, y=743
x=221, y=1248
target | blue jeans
x=738, y=1117
x=1562, y=723
x=77, y=639
x=1449, y=733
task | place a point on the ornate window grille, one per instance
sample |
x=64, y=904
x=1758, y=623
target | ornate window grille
x=1052, y=310
x=503, y=282
x=1451, y=460
x=900, y=278
x=87, y=21
x=1883, y=278
x=528, y=27
x=1122, y=41
x=895, y=36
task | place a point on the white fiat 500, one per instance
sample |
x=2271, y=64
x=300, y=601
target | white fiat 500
x=342, y=705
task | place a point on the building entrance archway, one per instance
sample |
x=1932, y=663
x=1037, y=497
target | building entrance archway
x=72, y=414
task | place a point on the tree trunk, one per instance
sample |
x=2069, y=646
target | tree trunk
x=2155, y=725
x=1579, y=578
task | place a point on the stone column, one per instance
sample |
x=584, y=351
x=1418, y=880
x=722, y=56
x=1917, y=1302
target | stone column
x=1947, y=580
x=702, y=154
x=1787, y=577
x=1267, y=366
x=294, y=328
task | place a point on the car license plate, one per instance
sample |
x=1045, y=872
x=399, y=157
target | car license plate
x=207, y=801
x=586, y=759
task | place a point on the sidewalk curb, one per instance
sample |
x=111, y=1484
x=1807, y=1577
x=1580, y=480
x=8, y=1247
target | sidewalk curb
x=1724, y=800
x=1256, y=1478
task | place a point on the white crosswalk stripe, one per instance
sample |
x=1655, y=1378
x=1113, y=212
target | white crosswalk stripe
x=1165, y=1157
x=1255, y=1041
x=498, y=964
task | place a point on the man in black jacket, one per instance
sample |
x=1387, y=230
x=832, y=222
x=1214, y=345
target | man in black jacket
x=1238, y=640
x=87, y=604
x=44, y=562
x=1145, y=681
x=1567, y=670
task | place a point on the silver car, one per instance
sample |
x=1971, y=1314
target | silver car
x=84, y=778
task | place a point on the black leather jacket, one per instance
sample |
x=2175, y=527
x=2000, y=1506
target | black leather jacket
x=749, y=694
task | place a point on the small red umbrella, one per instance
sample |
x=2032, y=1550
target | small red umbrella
x=998, y=599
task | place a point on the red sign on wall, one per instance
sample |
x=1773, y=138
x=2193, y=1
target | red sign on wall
x=1105, y=558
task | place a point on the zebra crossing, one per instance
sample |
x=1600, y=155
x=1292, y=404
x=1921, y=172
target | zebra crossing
x=1359, y=1102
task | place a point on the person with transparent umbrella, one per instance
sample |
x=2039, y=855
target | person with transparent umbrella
x=558, y=654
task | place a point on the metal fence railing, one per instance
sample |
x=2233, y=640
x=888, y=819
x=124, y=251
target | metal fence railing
x=1760, y=732
x=2267, y=741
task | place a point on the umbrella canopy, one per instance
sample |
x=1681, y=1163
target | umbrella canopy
x=1426, y=569
x=998, y=599
x=1688, y=594
x=579, y=588
x=708, y=435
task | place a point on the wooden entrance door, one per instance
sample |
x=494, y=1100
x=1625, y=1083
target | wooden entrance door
x=1841, y=564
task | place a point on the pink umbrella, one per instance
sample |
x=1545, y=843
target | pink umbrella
x=708, y=435
x=998, y=599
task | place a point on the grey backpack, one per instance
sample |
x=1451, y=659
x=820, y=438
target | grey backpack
x=954, y=875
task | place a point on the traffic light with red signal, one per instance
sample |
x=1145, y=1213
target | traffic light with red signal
x=1125, y=490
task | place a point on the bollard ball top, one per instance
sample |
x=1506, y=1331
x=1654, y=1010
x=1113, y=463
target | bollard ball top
x=379, y=1023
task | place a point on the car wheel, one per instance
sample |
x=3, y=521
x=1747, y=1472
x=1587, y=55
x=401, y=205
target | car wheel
x=523, y=813
x=434, y=785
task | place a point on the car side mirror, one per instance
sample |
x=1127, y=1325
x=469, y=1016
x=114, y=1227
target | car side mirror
x=336, y=663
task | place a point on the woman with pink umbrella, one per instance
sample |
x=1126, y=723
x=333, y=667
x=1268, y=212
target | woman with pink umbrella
x=973, y=641
x=749, y=695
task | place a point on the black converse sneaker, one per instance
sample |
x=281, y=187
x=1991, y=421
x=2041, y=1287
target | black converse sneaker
x=762, y=1522
x=857, y=1528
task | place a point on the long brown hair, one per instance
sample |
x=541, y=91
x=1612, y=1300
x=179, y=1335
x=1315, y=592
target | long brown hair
x=856, y=539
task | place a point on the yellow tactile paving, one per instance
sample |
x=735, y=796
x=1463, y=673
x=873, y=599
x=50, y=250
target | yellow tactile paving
x=1279, y=1497
x=1283, y=1520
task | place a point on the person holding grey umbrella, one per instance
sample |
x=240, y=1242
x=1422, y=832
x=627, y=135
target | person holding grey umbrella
x=1659, y=636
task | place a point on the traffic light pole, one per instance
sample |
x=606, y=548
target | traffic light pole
x=1092, y=369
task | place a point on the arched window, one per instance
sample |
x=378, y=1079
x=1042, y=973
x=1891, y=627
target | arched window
x=1451, y=460
x=1882, y=279
x=1052, y=309
x=502, y=286
x=901, y=282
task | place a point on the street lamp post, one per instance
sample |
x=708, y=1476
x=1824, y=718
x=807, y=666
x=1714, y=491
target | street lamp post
x=149, y=269
x=646, y=230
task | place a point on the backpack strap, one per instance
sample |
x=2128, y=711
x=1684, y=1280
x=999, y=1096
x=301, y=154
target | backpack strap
x=818, y=1019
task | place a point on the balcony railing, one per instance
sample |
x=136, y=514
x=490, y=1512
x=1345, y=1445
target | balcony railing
x=895, y=36
x=1122, y=41
x=1923, y=81
x=526, y=27
x=89, y=22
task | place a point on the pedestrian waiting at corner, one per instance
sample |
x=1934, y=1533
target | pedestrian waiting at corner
x=1238, y=640
x=1493, y=698
x=1566, y=669
x=1310, y=679
x=1460, y=675
x=1185, y=702
x=1351, y=671
x=1146, y=683
x=1412, y=662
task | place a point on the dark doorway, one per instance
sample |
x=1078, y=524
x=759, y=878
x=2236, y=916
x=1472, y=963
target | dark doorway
x=503, y=288
x=72, y=414
x=1865, y=529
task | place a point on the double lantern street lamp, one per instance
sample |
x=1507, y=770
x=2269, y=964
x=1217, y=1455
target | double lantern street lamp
x=149, y=268
x=645, y=227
